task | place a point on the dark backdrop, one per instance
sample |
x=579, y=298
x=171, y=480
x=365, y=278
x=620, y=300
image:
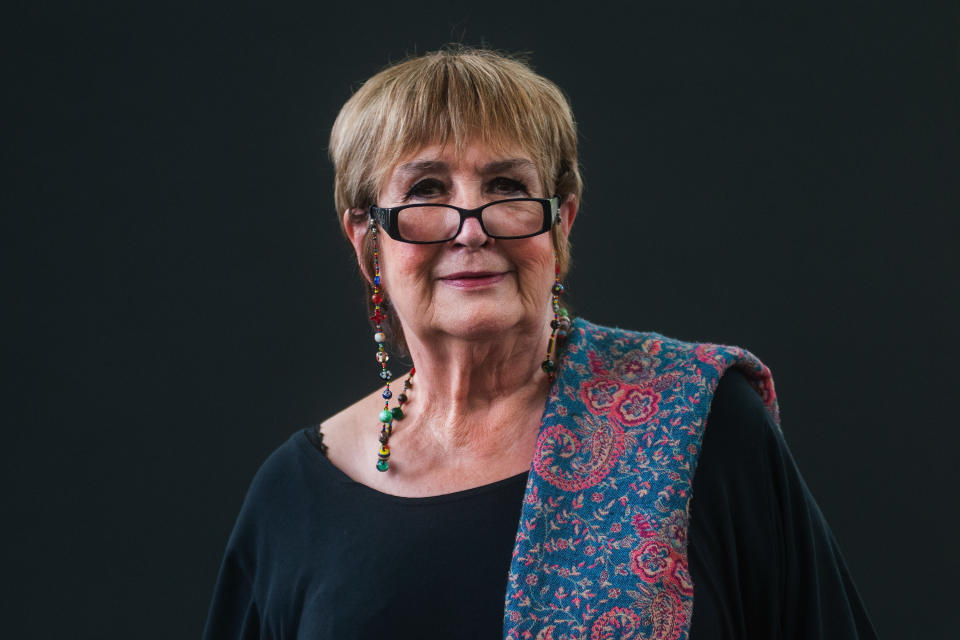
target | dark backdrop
x=179, y=300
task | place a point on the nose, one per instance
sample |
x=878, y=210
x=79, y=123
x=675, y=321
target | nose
x=472, y=234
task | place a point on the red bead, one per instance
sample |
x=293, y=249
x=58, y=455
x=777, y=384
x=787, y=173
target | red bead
x=377, y=298
x=378, y=317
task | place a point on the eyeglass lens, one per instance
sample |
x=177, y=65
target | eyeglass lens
x=503, y=219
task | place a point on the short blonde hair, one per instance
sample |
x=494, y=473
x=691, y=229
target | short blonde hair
x=456, y=95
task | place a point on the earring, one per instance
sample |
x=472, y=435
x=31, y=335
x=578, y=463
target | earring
x=560, y=326
x=387, y=415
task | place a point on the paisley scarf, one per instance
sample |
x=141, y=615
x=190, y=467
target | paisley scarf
x=601, y=548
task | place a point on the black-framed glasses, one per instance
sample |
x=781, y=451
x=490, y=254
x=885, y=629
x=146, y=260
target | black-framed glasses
x=502, y=219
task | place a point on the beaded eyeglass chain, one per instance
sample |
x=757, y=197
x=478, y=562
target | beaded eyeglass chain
x=560, y=326
x=387, y=415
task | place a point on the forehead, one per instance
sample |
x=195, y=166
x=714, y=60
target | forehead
x=474, y=157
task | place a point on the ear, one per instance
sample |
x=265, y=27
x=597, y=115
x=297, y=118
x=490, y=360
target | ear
x=356, y=223
x=568, y=212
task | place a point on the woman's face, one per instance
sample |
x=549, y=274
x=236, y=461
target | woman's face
x=472, y=286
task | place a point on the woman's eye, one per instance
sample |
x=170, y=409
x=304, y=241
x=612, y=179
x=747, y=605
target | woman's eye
x=508, y=186
x=425, y=189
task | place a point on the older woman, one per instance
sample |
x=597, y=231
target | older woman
x=534, y=475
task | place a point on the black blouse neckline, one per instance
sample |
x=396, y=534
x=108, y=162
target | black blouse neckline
x=313, y=440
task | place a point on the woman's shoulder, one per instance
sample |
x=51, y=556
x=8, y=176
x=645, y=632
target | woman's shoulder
x=586, y=333
x=737, y=406
x=280, y=483
x=743, y=458
x=641, y=357
x=598, y=334
x=292, y=459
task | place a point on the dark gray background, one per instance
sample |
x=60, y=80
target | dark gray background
x=178, y=299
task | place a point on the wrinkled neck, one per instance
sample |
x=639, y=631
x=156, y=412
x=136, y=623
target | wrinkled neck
x=478, y=396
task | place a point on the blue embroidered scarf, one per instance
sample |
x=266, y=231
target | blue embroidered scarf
x=601, y=550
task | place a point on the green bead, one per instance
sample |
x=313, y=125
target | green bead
x=548, y=365
x=397, y=413
x=382, y=465
x=564, y=312
x=386, y=416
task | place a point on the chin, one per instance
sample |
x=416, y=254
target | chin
x=482, y=321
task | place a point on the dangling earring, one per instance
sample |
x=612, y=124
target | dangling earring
x=388, y=415
x=560, y=326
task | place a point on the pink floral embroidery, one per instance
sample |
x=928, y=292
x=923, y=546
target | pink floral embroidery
x=636, y=367
x=674, y=530
x=669, y=616
x=638, y=406
x=586, y=462
x=618, y=623
x=652, y=346
x=601, y=394
x=546, y=633
x=641, y=523
x=710, y=354
x=652, y=560
x=681, y=575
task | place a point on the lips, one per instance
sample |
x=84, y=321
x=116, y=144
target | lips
x=463, y=275
x=473, y=279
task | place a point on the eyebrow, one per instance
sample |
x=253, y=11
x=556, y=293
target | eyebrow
x=426, y=166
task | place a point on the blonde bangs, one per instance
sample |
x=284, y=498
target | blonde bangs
x=456, y=100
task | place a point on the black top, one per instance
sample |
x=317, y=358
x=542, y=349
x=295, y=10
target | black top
x=316, y=555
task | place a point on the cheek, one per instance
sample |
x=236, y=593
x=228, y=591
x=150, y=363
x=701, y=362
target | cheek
x=536, y=270
x=406, y=268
